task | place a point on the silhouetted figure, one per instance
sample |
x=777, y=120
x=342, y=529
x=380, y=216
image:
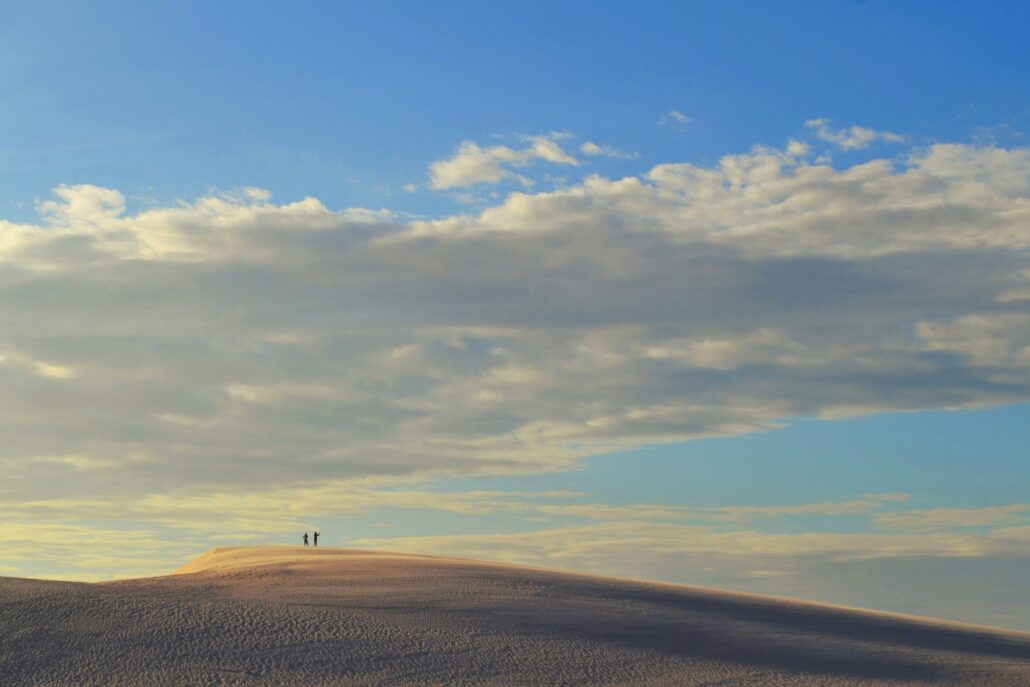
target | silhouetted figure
x=316, y=538
x=305, y=539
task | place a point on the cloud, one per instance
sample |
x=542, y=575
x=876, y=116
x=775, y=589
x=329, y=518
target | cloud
x=472, y=164
x=714, y=514
x=233, y=341
x=797, y=148
x=207, y=511
x=950, y=518
x=674, y=119
x=194, y=519
x=851, y=138
x=591, y=148
x=986, y=340
x=78, y=463
x=606, y=546
x=82, y=205
x=85, y=552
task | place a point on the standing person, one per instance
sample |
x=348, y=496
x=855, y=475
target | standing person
x=305, y=539
x=316, y=538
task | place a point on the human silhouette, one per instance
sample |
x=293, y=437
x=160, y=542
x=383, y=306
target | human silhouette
x=316, y=538
x=305, y=539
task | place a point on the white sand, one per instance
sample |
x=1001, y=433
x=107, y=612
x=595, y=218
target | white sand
x=291, y=616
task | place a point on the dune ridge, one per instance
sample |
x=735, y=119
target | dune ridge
x=325, y=616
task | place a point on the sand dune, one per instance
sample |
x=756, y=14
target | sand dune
x=291, y=616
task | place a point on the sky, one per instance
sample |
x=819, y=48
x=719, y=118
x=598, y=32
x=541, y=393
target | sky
x=726, y=294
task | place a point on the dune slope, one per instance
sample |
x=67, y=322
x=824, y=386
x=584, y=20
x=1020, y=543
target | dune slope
x=293, y=616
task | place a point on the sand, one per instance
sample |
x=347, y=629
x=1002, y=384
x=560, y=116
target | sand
x=296, y=616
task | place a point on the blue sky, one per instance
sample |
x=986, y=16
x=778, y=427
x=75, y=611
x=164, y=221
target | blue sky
x=348, y=102
x=732, y=294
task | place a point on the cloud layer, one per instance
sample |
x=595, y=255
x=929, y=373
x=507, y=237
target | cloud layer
x=232, y=340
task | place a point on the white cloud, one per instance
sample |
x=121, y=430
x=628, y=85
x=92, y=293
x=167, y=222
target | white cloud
x=473, y=164
x=591, y=148
x=851, y=138
x=82, y=204
x=675, y=119
x=797, y=148
x=235, y=340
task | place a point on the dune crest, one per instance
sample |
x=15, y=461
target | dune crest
x=306, y=616
x=228, y=558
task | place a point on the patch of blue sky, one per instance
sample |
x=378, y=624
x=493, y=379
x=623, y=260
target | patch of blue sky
x=349, y=102
x=967, y=459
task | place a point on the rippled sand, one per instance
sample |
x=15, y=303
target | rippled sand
x=296, y=616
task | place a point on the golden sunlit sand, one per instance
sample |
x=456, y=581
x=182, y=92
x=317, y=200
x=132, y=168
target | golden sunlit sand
x=305, y=616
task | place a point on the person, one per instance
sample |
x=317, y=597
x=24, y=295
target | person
x=305, y=539
x=316, y=538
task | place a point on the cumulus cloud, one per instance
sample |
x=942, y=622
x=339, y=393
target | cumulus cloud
x=591, y=148
x=233, y=340
x=674, y=119
x=473, y=164
x=853, y=137
x=82, y=204
x=797, y=148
